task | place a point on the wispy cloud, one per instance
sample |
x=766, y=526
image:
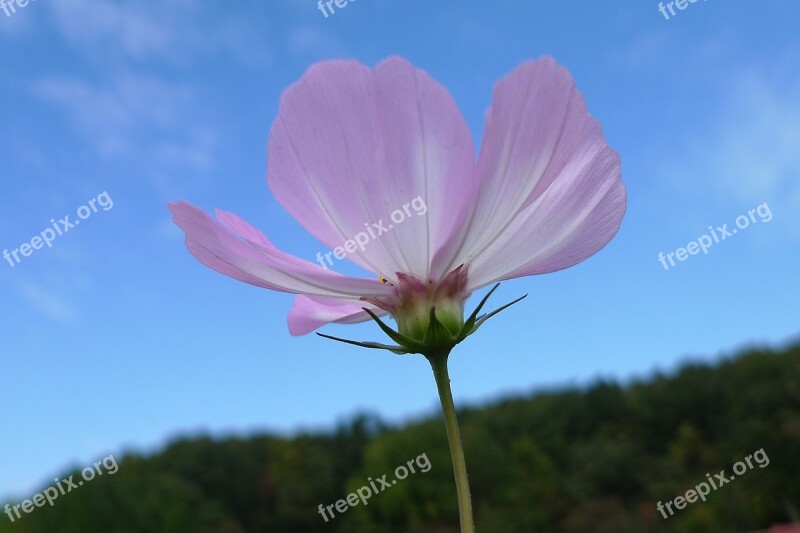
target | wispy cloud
x=174, y=31
x=134, y=115
x=757, y=148
x=137, y=29
x=749, y=153
x=136, y=98
x=47, y=302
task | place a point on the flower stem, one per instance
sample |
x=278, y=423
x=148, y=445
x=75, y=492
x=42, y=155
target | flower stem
x=438, y=362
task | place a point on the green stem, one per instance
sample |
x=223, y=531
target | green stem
x=439, y=364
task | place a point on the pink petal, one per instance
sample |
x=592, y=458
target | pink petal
x=242, y=228
x=568, y=223
x=311, y=312
x=261, y=265
x=352, y=145
x=550, y=194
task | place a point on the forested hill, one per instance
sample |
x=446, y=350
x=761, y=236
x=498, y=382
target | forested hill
x=595, y=459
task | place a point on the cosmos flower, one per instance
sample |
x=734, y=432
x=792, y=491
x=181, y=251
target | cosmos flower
x=352, y=144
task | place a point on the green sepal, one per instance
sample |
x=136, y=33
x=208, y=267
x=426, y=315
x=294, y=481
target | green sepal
x=437, y=338
x=399, y=338
x=437, y=335
x=399, y=350
x=470, y=323
x=484, y=318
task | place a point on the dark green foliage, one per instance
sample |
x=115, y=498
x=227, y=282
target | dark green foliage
x=589, y=460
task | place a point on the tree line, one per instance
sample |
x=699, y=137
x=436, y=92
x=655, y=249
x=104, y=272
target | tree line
x=594, y=459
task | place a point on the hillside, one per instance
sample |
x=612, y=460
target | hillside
x=594, y=459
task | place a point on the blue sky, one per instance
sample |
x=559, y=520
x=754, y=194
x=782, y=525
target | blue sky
x=117, y=339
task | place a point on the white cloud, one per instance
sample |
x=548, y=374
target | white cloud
x=173, y=31
x=750, y=153
x=135, y=115
x=126, y=107
x=96, y=24
x=757, y=150
x=47, y=302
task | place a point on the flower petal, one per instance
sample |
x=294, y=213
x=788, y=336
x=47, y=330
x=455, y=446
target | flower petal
x=262, y=265
x=353, y=146
x=311, y=312
x=568, y=223
x=550, y=194
x=243, y=228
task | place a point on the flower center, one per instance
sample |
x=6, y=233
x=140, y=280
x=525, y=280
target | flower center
x=414, y=299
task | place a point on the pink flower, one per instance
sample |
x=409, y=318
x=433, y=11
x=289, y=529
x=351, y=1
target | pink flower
x=352, y=145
